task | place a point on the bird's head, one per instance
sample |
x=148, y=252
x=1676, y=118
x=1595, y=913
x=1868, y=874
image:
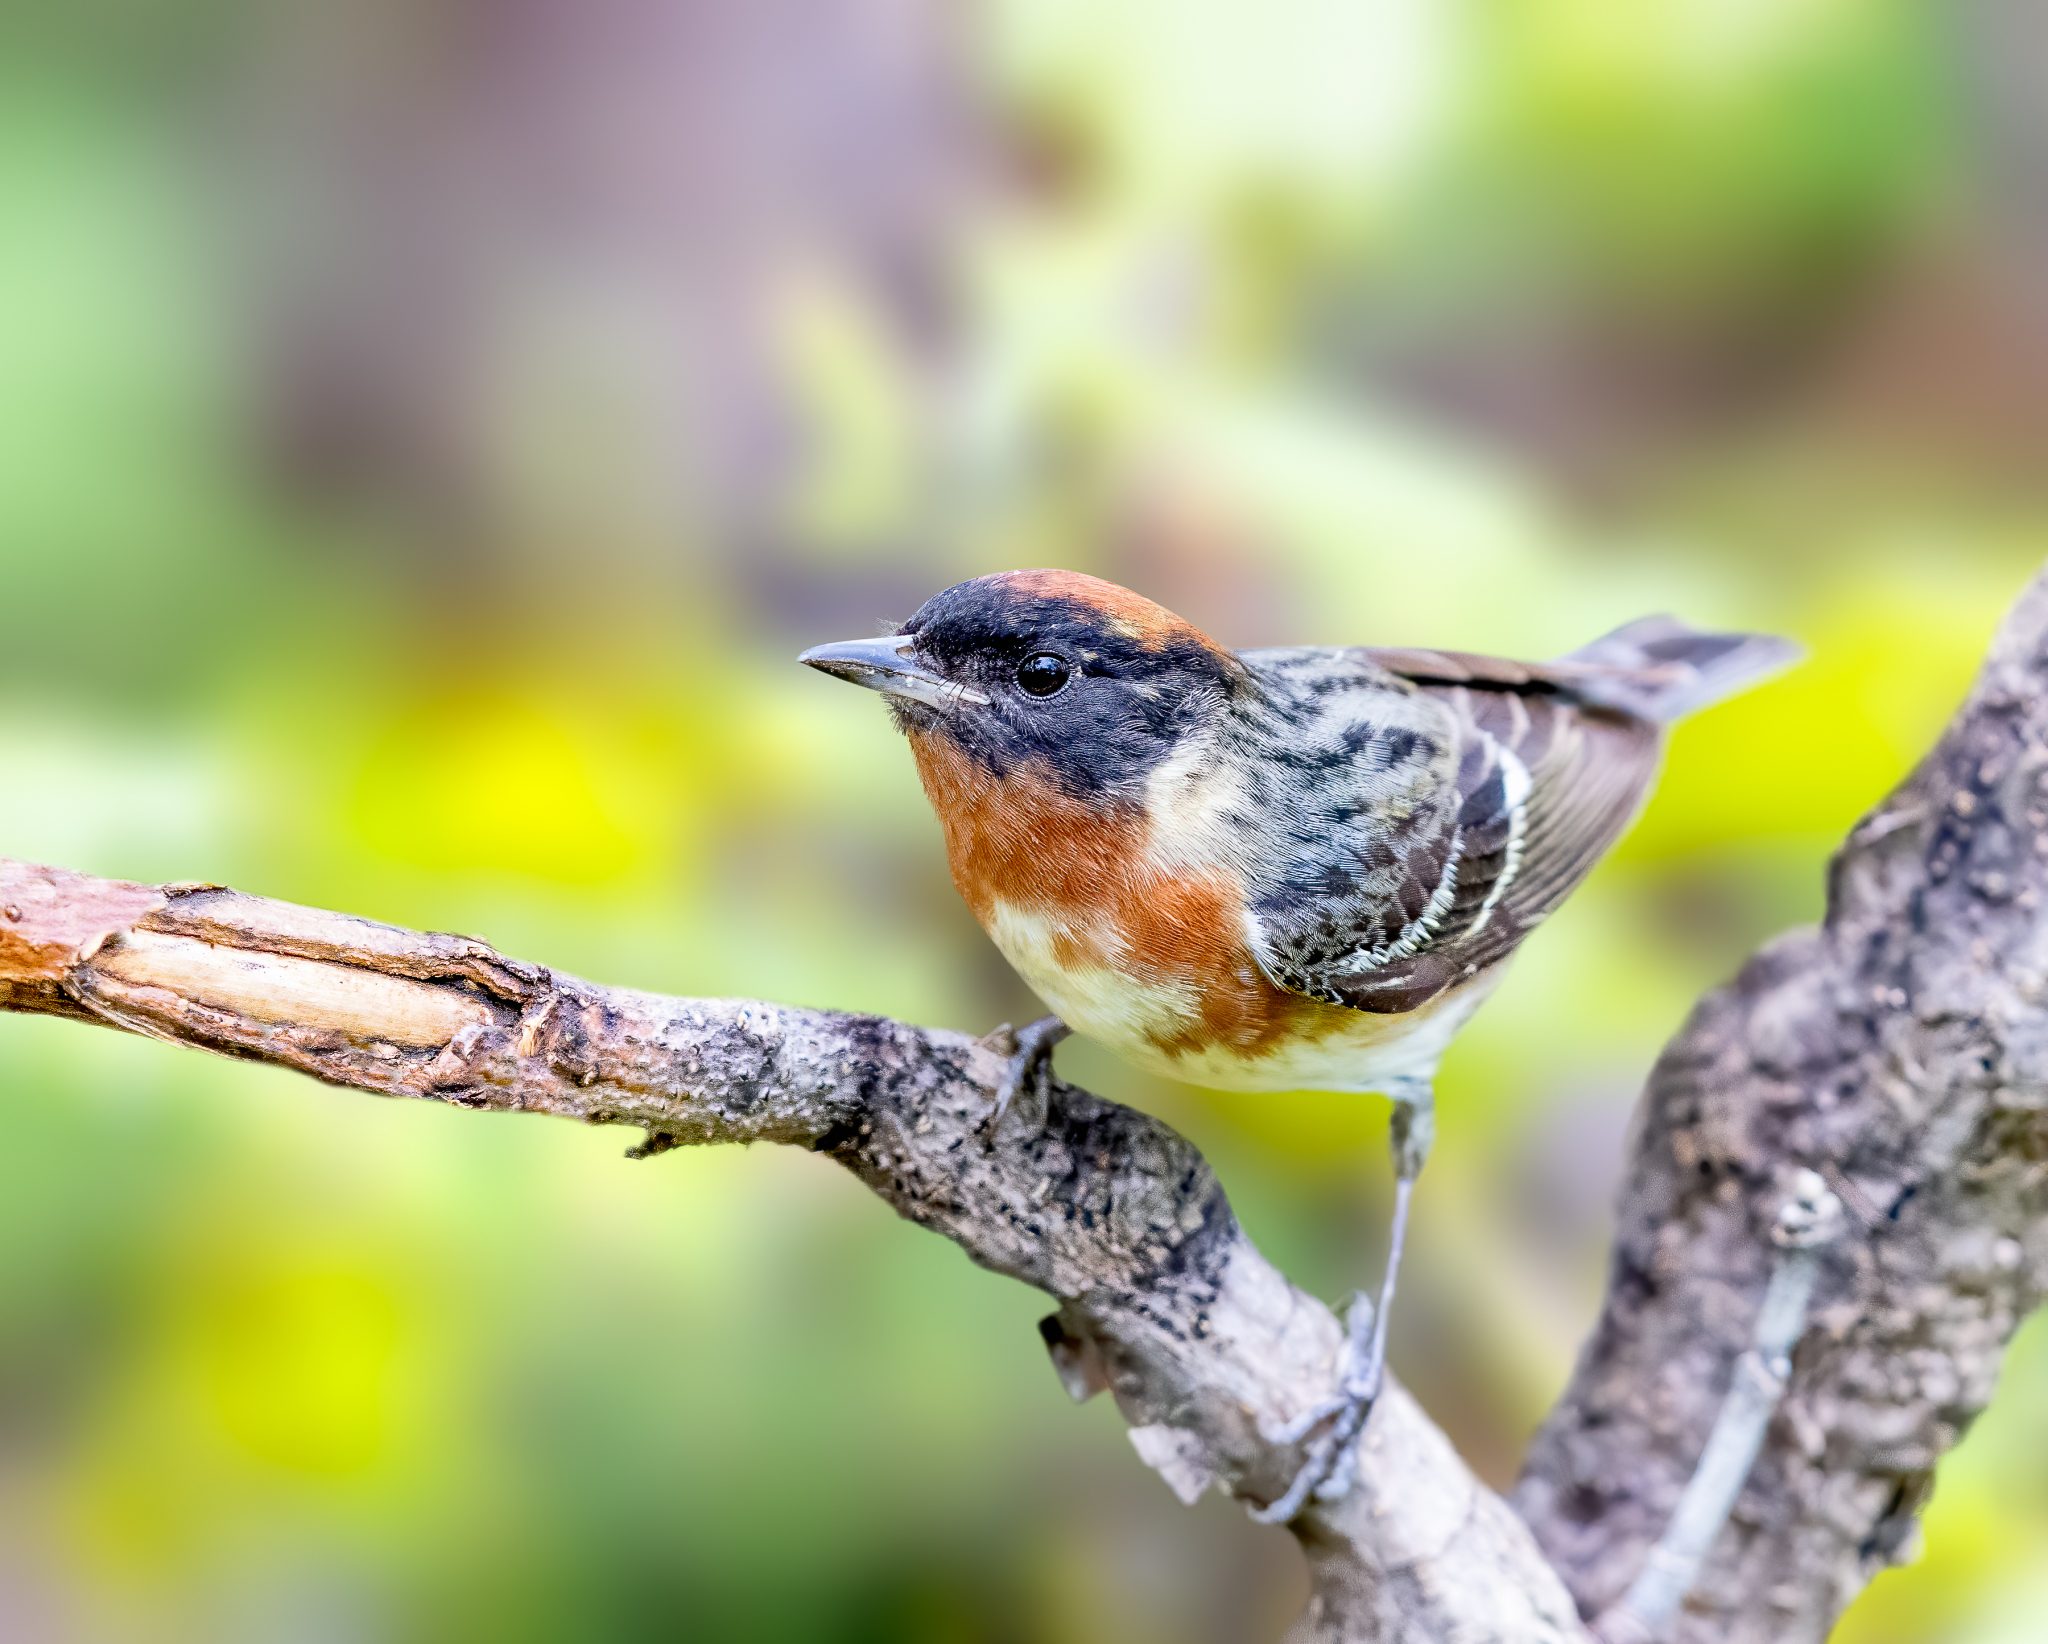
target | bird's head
x=1073, y=678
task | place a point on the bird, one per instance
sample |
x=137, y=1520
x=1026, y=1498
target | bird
x=1275, y=869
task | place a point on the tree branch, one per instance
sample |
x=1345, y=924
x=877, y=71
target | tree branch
x=1163, y=1300
x=1901, y=1051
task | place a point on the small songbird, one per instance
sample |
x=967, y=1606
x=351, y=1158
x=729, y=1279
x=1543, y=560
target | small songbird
x=1271, y=870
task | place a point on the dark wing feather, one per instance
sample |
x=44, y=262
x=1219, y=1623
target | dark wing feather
x=1536, y=784
x=1416, y=874
x=1547, y=783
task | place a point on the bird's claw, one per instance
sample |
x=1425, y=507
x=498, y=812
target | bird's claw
x=1029, y=1066
x=1326, y=1474
x=1293, y=1432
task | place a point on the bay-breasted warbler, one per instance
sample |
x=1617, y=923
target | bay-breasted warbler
x=1273, y=869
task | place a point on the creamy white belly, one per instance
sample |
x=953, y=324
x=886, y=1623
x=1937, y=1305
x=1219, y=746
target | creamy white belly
x=1381, y=1051
x=1130, y=1016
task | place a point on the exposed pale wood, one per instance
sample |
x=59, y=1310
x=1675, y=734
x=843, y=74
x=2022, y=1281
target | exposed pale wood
x=284, y=991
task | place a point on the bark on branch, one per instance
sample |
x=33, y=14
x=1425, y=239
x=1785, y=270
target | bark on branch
x=1163, y=1301
x=1900, y=1051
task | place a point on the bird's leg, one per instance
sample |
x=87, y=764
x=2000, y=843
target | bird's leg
x=1333, y=1453
x=1030, y=1063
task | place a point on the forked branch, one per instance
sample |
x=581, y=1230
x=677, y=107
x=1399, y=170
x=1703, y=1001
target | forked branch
x=1899, y=1052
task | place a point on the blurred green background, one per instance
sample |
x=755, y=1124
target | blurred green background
x=428, y=428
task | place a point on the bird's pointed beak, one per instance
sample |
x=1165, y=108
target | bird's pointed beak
x=886, y=665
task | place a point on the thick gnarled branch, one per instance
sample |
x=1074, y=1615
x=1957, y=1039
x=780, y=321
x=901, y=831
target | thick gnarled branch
x=1163, y=1300
x=1901, y=1051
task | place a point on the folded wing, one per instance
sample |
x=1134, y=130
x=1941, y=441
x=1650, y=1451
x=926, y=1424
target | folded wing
x=1545, y=765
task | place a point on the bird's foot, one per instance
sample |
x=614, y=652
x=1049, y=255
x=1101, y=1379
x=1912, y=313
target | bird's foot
x=1030, y=1065
x=1335, y=1425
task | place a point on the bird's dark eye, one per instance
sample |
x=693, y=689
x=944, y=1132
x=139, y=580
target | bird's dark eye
x=1043, y=674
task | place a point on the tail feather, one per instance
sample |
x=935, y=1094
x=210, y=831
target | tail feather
x=1660, y=669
